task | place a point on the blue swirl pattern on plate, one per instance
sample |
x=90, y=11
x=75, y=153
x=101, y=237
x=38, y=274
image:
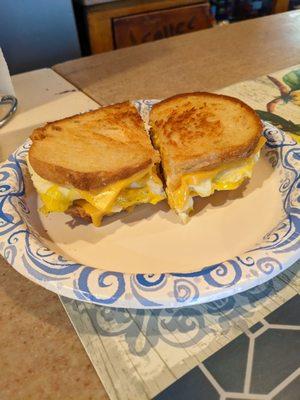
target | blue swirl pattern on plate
x=21, y=246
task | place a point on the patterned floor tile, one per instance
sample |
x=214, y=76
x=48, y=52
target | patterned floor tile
x=291, y=392
x=232, y=357
x=287, y=314
x=276, y=356
x=194, y=385
x=261, y=364
x=256, y=327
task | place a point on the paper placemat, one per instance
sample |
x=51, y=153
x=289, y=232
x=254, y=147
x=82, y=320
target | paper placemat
x=138, y=353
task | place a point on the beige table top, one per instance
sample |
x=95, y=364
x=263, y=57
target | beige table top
x=204, y=60
x=33, y=363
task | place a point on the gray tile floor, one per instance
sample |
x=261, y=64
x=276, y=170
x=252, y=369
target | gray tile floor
x=261, y=364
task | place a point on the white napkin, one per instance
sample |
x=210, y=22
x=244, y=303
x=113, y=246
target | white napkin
x=6, y=86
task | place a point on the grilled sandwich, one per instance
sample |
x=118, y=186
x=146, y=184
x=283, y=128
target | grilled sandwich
x=207, y=142
x=95, y=164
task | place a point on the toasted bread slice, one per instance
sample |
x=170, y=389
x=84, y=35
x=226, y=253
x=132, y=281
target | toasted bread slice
x=201, y=131
x=91, y=150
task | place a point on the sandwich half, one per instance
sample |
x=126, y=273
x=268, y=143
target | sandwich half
x=95, y=164
x=207, y=142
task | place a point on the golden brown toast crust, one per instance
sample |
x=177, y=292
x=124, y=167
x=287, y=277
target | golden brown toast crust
x=91, y=150
x=200, y=131
x=83, y=181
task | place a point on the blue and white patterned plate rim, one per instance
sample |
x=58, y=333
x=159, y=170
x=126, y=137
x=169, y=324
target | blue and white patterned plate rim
x=21, y=246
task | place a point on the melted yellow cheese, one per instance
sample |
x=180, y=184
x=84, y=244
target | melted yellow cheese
x=104, y=199
x=126, y=200
x=143, y=187
x=95, y=214
x=204, y=183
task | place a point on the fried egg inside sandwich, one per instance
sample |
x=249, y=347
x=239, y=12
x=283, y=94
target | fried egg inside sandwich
x=226, y=177
x=143, y=187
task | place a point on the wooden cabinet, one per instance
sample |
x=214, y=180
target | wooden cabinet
x=114, y=24
x=154, y=25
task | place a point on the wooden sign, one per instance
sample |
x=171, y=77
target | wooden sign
x=141, y=28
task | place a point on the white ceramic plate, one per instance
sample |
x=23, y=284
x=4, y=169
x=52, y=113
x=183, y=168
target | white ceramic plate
x=147, y=258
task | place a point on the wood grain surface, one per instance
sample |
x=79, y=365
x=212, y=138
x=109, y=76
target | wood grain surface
x=146, y=27
x=203, y=60
x=40, y=353
x=100, y=17
x=41, y=356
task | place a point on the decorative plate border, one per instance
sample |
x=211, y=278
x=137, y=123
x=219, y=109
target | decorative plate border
x=278, y=249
